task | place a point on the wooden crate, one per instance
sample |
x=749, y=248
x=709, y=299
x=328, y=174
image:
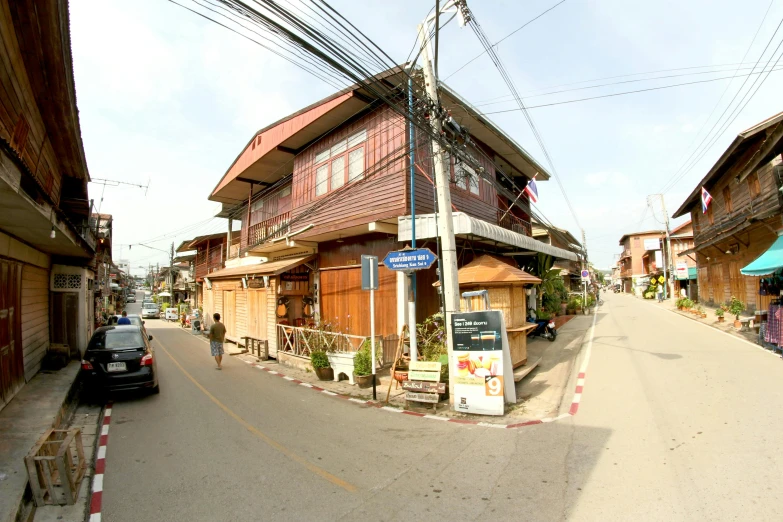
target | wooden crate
x=56, y=467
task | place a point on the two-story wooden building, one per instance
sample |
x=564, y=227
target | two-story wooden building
x=683, y=257
x=46, y=244
x=638, y=259
x=562, y=238
x=313, y=192
x=744, y=219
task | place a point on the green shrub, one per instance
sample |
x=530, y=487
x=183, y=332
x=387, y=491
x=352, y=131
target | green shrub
x=362, y=362
x=163, y=307
x=735, y=307
x=720, y=312
x=543, y=315
x=687, y=303
x=551, y=303
x=319, y=359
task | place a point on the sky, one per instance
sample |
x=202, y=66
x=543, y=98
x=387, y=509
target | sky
x=168, y=99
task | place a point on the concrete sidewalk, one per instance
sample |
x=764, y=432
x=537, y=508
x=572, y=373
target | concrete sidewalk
x=46, y=401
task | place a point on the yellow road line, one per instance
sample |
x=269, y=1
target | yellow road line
x=261, y=435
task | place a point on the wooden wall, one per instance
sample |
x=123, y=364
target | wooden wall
x=341, y=293
x=35, y=317
x=21, y=123
x=381, y=196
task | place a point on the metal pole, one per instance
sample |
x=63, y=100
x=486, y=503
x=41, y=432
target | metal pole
x=668, y=257
x=372, y=324
x=412, y=275
x=446, y=224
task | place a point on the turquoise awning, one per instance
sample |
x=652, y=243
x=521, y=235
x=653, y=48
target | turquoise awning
x=768, y=262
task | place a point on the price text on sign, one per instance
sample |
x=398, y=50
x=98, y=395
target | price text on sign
x=493, y=386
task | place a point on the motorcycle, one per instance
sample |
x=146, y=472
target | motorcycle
x=546, y=329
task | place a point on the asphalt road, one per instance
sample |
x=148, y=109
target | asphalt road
x=677, y=422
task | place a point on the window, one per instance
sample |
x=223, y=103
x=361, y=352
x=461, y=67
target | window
x=727, y=198
x=346, y=165
x=754, y=187
x=466, y=178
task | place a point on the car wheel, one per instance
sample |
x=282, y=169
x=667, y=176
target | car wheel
x=156, y=389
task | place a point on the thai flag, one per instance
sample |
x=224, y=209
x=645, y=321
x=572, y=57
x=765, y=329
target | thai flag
x=531, y=190
x=705, y=200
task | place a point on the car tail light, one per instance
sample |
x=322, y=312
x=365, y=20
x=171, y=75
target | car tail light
x=146, y=360
x=86, y=365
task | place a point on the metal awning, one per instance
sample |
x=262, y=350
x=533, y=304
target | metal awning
x=767, y=263
x=465, y=225
x=261, y=269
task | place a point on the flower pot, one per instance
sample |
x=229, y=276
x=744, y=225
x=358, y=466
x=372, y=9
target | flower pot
x=721, y=318
x=401, y=375
x=324, y=374
x=364, y=381
x=703, y=315
x=563, y=307
x=737, y=324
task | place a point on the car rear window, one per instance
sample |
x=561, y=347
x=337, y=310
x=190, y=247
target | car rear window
x=116, y=340
x=135, y=321
x=149, y=305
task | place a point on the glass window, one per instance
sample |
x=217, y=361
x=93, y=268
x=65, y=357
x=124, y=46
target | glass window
x=322, y=156
x=321, y=180
x=355, y=164
x=339, y=147
x=116, y=340
x=338, y=172
x=357, y=138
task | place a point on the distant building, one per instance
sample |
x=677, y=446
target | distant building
x=639, y=260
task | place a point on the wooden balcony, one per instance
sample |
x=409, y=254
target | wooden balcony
x=626, y=253
x=626, y=273
x=515, y=224
x=265, y=230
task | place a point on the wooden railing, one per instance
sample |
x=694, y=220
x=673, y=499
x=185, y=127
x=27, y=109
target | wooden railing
x=300, y=341
x=626, y=253
x=265, y=230
x=513, y=223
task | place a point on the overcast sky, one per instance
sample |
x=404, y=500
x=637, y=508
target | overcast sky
x=169, y=98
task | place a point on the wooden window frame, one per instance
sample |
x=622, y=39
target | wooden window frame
x=754, y=185
x=344, y=150
x=453, y=166
x=727, y=204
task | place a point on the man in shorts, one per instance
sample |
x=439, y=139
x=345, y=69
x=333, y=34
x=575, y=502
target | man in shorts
x=217, y=336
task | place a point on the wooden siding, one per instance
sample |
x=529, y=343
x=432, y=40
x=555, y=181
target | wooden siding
x=483, y=206
x=35, y=318
x=380, y=195
x=743, y=202
x=21, y=123
x=271, y=316
x=11, y=356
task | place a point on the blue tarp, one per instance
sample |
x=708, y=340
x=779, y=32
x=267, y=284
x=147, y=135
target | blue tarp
x=768, y=262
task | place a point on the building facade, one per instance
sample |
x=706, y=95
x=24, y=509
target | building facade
x=46, y=244
x=744, y=217
x=638, y=259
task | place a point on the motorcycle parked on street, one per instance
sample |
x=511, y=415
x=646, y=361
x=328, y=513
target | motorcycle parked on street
x=545, y=328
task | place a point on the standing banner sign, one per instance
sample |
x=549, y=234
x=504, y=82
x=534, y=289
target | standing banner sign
x=481, y=363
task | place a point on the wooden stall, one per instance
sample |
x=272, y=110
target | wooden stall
x=505, y=285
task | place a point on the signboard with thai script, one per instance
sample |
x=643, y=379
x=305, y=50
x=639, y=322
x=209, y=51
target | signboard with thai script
x=418, y=259
x=481, y=363
x=431, y=398
x=682, y=271
x=295, y=277
x=424, y=387
x=424, y=384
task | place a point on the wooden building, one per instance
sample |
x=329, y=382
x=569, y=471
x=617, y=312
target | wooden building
x=318, y=189
x=46, y=243
x=744, y=218
x=570, y=271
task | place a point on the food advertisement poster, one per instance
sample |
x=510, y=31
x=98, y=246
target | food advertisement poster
x=481, y=363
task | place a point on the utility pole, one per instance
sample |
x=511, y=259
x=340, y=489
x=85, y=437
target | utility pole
x=584, y=267
x=445, y=221
x=667, y=261
x=171, y=272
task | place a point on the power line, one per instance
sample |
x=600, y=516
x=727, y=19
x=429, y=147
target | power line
x=627, y=92
x=504, y=38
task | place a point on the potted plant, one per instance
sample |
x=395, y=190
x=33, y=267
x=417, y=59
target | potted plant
x=401, y=369
x=735, y=308
x=701, y=311
x=687, y=304
x=719, y=312
x=362, y=366
x=678, y=303
x=321, y=366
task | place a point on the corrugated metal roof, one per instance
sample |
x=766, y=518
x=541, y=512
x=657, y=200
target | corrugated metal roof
x=270, y=268
x=467, y=225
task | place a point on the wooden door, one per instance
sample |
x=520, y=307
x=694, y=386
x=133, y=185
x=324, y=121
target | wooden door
x=229, y=312
x=737, y=281
x=256, y=313
x=716, y=280
x=11, y=359
x=208, y=306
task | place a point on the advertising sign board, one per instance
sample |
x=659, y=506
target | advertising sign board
x=682, y=271
x=652, y=244
x=481, y=363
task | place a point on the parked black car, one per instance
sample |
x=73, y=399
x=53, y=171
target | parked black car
x=120, y=358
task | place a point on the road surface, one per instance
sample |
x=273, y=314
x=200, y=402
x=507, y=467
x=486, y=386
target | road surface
x=677, y=422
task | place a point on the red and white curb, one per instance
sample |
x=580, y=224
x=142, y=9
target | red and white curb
x=100, y=467
x=580, y=383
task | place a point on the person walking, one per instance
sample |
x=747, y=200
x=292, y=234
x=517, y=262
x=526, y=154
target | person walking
x=659, y=293
x=217, y=336
x=124, y=319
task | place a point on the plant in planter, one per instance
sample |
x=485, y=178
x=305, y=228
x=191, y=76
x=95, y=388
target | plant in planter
x=687, y=304
x=321, y=366
x=678, y=303
x=362, y=366
x=735, y=308
x=720, y=312
x=701, y=311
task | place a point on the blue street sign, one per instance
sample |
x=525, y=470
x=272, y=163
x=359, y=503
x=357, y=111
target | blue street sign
x=418, y=259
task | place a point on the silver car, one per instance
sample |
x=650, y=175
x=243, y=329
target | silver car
x=150, y=310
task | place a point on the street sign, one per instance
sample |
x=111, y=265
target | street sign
x=369, y=273
x=585, y=276
x=682, y=271
x=418, y=259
